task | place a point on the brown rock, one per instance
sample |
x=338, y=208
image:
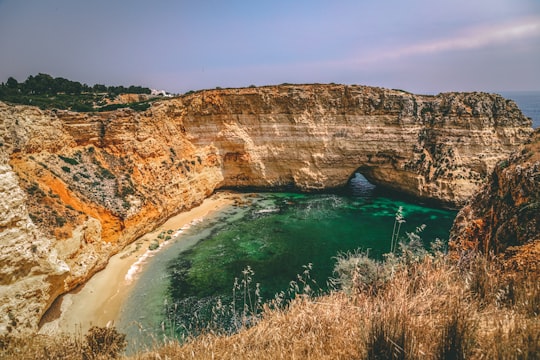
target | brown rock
x=83, y=185
x=506, y=212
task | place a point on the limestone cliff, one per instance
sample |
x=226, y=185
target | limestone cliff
x=77, y=187
x=315, y=137
x=27, y=259
x=91, y=184
x=506, y=212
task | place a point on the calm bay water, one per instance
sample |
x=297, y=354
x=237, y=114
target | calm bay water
x=276, y=235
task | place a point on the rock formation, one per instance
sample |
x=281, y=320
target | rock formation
x=506, y=212
x=316, y=137
x=78, y=187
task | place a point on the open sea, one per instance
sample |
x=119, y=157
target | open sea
x=278, y=236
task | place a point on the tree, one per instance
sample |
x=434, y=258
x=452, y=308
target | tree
x=60, y=85
x=75, y=87
x=12, y=83
x=99, y=88
x=39, y=84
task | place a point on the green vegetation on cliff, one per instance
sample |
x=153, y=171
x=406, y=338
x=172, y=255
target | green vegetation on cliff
x=47, y=92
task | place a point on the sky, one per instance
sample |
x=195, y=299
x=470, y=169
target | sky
x=422, y=46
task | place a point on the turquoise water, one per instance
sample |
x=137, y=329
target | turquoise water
x=276, y=235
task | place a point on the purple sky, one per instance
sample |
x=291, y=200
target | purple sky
x=424, y=46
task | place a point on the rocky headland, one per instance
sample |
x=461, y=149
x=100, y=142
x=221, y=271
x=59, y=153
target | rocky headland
x=504, y=216
x=77, y=187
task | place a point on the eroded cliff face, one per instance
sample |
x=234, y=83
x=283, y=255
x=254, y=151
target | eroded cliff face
x=76, y=188
x=314, y=137
x=506, y=212
x=85, y=186
x=27, y=259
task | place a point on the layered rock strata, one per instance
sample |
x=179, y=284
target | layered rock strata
x=91, y=185
x=315, y=137
x=77, y=187
x=506, y=212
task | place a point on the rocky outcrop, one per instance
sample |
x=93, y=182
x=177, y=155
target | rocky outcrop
x=28, y=260
x=91, y=184
x=77, y=187
x=315, y=137
x=506, y=212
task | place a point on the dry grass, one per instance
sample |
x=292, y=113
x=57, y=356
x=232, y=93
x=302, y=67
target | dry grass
x=100, y=343
x=434, y=308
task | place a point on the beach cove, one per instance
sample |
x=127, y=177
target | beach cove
x=277, y=236
x=98, y=302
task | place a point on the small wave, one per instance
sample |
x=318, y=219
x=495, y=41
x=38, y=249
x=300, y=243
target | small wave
x=137, y=266
x=266, y=211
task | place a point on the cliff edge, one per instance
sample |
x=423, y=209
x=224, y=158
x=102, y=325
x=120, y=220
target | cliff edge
x=77, y=187
x=505, y=214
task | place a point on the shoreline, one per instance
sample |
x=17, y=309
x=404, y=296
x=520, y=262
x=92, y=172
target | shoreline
x=98, y=302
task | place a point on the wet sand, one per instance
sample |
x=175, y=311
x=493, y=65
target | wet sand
x=99, y=301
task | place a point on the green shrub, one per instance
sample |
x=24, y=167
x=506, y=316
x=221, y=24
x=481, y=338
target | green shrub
x=140, y=106
x=107, y=174
x=60, y=221
x=357, y=271
x=82, y=107
x=127, y=190
x=69, y=160
x=47, y=92
x=34, y=189
x=153, y=245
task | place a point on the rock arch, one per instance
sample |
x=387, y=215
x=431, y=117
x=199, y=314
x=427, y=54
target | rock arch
x=134, y=170
x=313, y=137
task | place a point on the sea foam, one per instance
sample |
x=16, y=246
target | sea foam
x=137, y=265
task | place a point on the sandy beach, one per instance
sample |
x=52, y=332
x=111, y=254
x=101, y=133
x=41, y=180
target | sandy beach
x=99, y=301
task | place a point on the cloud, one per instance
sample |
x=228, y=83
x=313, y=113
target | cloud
x=470, y=39
x=496, y=56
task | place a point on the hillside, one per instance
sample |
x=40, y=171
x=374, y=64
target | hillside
x=47, y=92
